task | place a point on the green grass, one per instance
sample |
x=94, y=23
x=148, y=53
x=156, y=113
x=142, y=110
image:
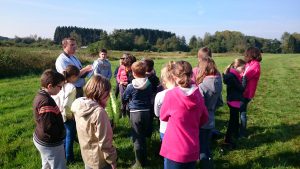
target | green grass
x=274, y=122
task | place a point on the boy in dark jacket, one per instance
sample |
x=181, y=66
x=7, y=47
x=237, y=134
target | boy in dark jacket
x=139, y=94
x=49, y=131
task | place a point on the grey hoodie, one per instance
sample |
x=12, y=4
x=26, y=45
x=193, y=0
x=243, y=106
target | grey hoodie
x=211, y=89
x=94, y=133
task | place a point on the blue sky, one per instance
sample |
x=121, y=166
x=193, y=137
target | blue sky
x=263, y=18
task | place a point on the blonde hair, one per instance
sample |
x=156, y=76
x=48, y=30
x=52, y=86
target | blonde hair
x=166, y=73
x=207, y=67
x=183, y=71
x=97, y=88
x=235, y=64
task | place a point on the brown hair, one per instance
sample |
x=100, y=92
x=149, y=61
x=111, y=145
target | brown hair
x=51, y=77
x=70, y=71
x=129, y=59
x=207, y=67
x=204, y=52
x=97, y=88
x=253, y=53
x=149, y=64
x=139, y=68
x=235, y=64
x=166, y=73
x=65, y=41
x=103, y=51
x=183, y=71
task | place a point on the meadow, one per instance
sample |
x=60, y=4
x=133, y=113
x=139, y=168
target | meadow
x=274, y=120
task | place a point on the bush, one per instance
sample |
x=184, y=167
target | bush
x=17, y=61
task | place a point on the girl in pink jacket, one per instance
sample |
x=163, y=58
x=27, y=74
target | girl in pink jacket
x=184, y=110
x=249, y=81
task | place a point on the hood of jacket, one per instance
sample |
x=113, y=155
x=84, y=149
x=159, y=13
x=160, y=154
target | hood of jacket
x=84, y=106
x=140, y=83
x=187, y=96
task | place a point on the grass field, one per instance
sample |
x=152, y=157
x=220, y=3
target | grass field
x=274, y=122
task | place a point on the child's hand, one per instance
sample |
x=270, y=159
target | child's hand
x=114, y=165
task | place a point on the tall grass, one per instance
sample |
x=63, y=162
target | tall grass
x=274, y=122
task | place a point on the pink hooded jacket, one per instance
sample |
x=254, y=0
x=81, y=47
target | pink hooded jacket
x=185, y=114
x=252, y=73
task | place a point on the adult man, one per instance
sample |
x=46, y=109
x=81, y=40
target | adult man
x=68, y=58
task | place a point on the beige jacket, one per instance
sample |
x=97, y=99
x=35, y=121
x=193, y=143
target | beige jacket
x=94, y=133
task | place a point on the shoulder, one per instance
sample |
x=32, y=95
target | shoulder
x=70, y=87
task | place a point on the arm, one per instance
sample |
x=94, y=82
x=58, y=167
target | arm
x=119, y=74
x=109, y=71
x=204, y=113
x=165, y=108
x=253, y=71
x=157, y=104
x=68, y=100
x=105, y=138
x=127, y=93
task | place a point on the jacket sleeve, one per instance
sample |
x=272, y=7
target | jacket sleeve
x=105, y=137
x=109, y=71
x=95, y=67
x=119, y=74
x=164, y=111
x=157, y=104
x=127, y=93
x=67, y=103
x=252, y=72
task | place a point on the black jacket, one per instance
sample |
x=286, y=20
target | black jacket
x=234, y=87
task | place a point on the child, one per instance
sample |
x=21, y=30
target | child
x=250, y=80
x=49, y=131
x=124, y=77
x=184, y=110
x=138, y=94
x=93, y=126
x=233, y=80
x=168, y=83
x=64, y=100
x=154, y=80
x=102, y=66
x=203, y=52
x=210, y=85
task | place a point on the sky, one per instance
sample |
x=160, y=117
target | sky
x=262, y=18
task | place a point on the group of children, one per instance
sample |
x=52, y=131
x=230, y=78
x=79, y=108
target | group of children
x=185, y=106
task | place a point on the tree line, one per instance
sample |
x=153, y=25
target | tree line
x=161, y=41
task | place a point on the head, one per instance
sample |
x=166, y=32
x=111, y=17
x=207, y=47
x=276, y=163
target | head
x=252, y=53
x=237, y=64
x=204, y=52
x=71, y=73
x=52, y=81
x=103, y=54
x=207, y=67
x=98, y=88
x=69, y=45
x=138, y=69
x=167, y=79
x=128, y=60
x=149, y=64
x=182, y=73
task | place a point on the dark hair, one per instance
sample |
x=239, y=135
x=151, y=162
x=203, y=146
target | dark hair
x=204, y=52
x=149, y=64
x=71, y=70
x=253, y=53
x=183, y=71
x=52, y=77
x=103, y=51
x=139, y=68
x=97, y=88
x=129, y=60
x=207, y=66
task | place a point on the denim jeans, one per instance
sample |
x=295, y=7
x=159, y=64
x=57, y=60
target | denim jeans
x=205, y=139
x=70, y=127
x=170, y=164
x=243, y=109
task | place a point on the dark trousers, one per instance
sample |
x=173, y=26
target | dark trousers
x=123, y=104
x=205, y=140
x=140, y=126
x=170, y=164
x=233, y=124
x=117, y=91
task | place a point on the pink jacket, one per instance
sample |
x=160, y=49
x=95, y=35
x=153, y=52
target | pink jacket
x=185, y=115
x=252, y=73
x=122, y=76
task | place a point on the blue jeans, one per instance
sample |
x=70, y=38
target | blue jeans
x=70, y=127
x=243, y=109
x=205, y=139
x=170, y=164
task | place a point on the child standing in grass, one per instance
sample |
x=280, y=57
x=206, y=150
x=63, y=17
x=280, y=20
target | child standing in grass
x=233, y=79
x=138, y=94
x=49, y=131
x=250, y=81
x=184, y=110
x=93, y=126
x=210, y=85
x=64, y=100
x=101, y=66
